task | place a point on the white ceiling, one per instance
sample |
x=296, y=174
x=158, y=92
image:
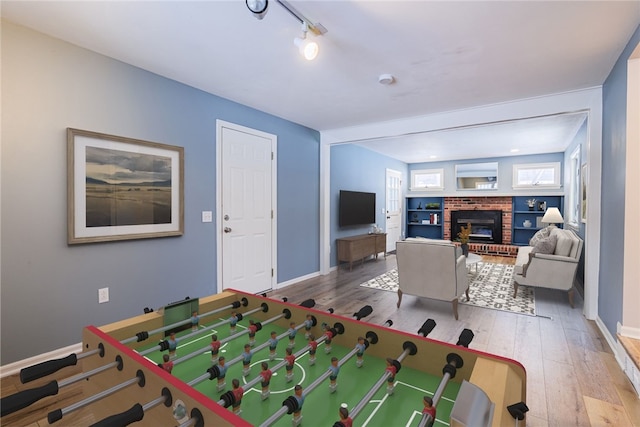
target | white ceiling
x=445, y=56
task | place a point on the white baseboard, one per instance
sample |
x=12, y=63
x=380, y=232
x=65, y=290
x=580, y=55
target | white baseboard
x=630, y=332
x=15, y=367
x=297, y=280
x=614, y=345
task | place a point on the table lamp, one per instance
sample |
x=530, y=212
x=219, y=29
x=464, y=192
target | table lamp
x=552, y=216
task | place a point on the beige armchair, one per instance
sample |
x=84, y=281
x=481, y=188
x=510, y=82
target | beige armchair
x=431, y=269
x=553, y=270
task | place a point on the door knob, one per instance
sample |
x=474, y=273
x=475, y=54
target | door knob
x=227, y=230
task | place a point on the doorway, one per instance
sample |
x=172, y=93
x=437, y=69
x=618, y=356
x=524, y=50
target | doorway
x=393, y=224
x=245, y=213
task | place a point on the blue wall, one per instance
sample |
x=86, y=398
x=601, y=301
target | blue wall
x=356, y=168
x=614, y=128
x=49, y=85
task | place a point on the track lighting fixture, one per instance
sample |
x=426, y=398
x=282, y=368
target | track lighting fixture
x=257, y=7
x=308, y=49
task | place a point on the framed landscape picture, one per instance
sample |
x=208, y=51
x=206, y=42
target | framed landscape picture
x=121, y=188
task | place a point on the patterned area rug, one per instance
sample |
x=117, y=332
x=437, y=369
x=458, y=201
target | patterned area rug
x=491, y=287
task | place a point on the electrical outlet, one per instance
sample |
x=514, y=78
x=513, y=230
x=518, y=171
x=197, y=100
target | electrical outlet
x=103, y=295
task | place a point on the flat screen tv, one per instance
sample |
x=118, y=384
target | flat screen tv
x=357, y=208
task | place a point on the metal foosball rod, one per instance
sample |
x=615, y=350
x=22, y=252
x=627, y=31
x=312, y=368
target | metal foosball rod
x=454, y=362
x=49, y=367
x=409, y=348
x=136, y=412
x=57, y=415
x=164, y=345
x=143, y=335
x=213, y=372
x=337, y=329
x=286, y=313
x=22, y=399
x=290, y=405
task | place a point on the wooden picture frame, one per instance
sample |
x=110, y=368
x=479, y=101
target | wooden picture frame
x=583, y=194
x=122, y=188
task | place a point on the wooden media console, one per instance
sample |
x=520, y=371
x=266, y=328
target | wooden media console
x=359, y=247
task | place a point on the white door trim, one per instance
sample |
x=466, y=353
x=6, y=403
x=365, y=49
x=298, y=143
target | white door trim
x=389, y=171
x=274, y=198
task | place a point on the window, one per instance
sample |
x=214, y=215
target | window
x=536, y=175
x=427, y=179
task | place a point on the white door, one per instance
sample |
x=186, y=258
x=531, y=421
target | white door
x=246, y=214
x=394, y=208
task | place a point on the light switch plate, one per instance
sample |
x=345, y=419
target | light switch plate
x=207, y=216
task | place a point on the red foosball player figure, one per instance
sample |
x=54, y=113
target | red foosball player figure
x=246, y=360
x=313, y=346
x=222, y=372
x=334, y=369
x=215, y=347
x=329, y=335
x=238, y=392
x=299, y=396
x=360, y=347
x=173, y=345
x=429, y=408
x=233, y=321
x=167, y=364
x=345, y=419
x=308, y=324
x=266, y=380
x=292, y=334
x=290, y=358
x=391, y=368
x=194, y=321
x=273, y=344
x=253, y=328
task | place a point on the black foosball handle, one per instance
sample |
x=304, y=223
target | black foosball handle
x=46, y=368
x=363, y=312
x=132, y=415
x=22, y=399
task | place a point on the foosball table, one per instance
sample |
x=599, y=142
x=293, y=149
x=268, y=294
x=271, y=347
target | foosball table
x=380, y=376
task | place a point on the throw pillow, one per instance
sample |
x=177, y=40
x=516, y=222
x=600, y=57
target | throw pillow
x=546, y=245
x=540, y=234
x=563, y=246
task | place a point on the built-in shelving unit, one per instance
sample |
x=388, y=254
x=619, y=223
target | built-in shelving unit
x=521, y=233
x=425, y=217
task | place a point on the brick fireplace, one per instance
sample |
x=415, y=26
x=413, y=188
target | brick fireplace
x=503, y=204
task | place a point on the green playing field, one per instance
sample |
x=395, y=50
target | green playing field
x=402, y=408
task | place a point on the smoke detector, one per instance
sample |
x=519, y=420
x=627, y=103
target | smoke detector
x=386, y=79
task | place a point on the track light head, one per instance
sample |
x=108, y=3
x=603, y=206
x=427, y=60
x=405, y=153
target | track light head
x=309, y=49
x=257, y=7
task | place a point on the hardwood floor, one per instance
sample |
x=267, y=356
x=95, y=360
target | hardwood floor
x=573, y=378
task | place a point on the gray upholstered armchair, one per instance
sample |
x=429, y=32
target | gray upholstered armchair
x=554, y=267
x=431, y=269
